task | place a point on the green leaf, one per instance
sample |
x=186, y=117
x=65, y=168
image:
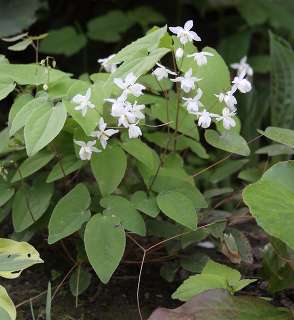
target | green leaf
x=20, y=117
x=226, y=170
x=109, y=27
x=65, y=41
x=21, y=45
x=109, y=167
x=213, y=276
x=228, y=141
x=15, y=257
x=235, y=46
x=32, y=165
x=18, y=15
x=281, y=135
x=210, y=84
x=30, y=203
x=105, y=242
x=122, y=208
x=69, y=214
x=64, y=167
x=43, y=126
x=30, y=74
x=90, y=121
x=6, y=192
x=140, y=151
x=178, y=207
x=219, y=304
x=145, y=15
x=145, y=204
x=282, y=82
x=271, y=201
x=147, y=43
x=7, y=308
x=186, y=122
x=6, y=87
x=79, y=281
x=139, y=65
x=19, y=102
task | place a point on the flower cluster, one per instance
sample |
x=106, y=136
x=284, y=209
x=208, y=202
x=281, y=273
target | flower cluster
x=129, y=114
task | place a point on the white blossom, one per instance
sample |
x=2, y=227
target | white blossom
x=108, y=67
x=201, y=57
x=134, y=131
x=129, y=85
x=227, y=118
x=118, y=105
x=243, y=66
x=179, y=53
x=228, y=98
x=83, y=102
x=187, y=81
x=87, y=148
x=185, y=34
x=193, y=104
x=204, y=119
x=103, y=134
x=162, y=72
x=242, y=84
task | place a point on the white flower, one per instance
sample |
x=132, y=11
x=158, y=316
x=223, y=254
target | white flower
x=130, y=114
x=187, y=81
x=193, y=104
x=87, y=148
x=83, y=102
x=129, y=85
x=162, y=72
x=242, y=84
x=204, y=119
x=103, y=135
x=185, y=34
x=134, y=131
x=243, y=66
x=227, y=118
x=228, y=98
x=108, y=67
x=179, y=53
x=118, y=105
x=201, y=57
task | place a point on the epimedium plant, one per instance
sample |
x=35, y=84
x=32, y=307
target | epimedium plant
x=100, y=158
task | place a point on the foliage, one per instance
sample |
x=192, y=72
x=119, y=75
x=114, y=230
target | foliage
x=138, y=152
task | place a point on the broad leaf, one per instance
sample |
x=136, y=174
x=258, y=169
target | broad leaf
x=32, y=165
x=109, y=167
x=70, y=213
x=20, y=116
x=122, y=208
x=145, y=204
x=6, y=86
x=282, y=82
x=7, y=308
x=271, y=201
x=43, y=126
x=228, y=141
x=281, y=135
x=218, y=304
x=6, y=192
x=79, y=281
x=30, y=203
x=141, y=151
x=105, y=242
x=15, y=257
x=64, y=167
x=63, y=41
x=178, y=207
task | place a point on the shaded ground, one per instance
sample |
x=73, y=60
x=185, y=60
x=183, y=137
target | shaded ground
x=117, y=300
